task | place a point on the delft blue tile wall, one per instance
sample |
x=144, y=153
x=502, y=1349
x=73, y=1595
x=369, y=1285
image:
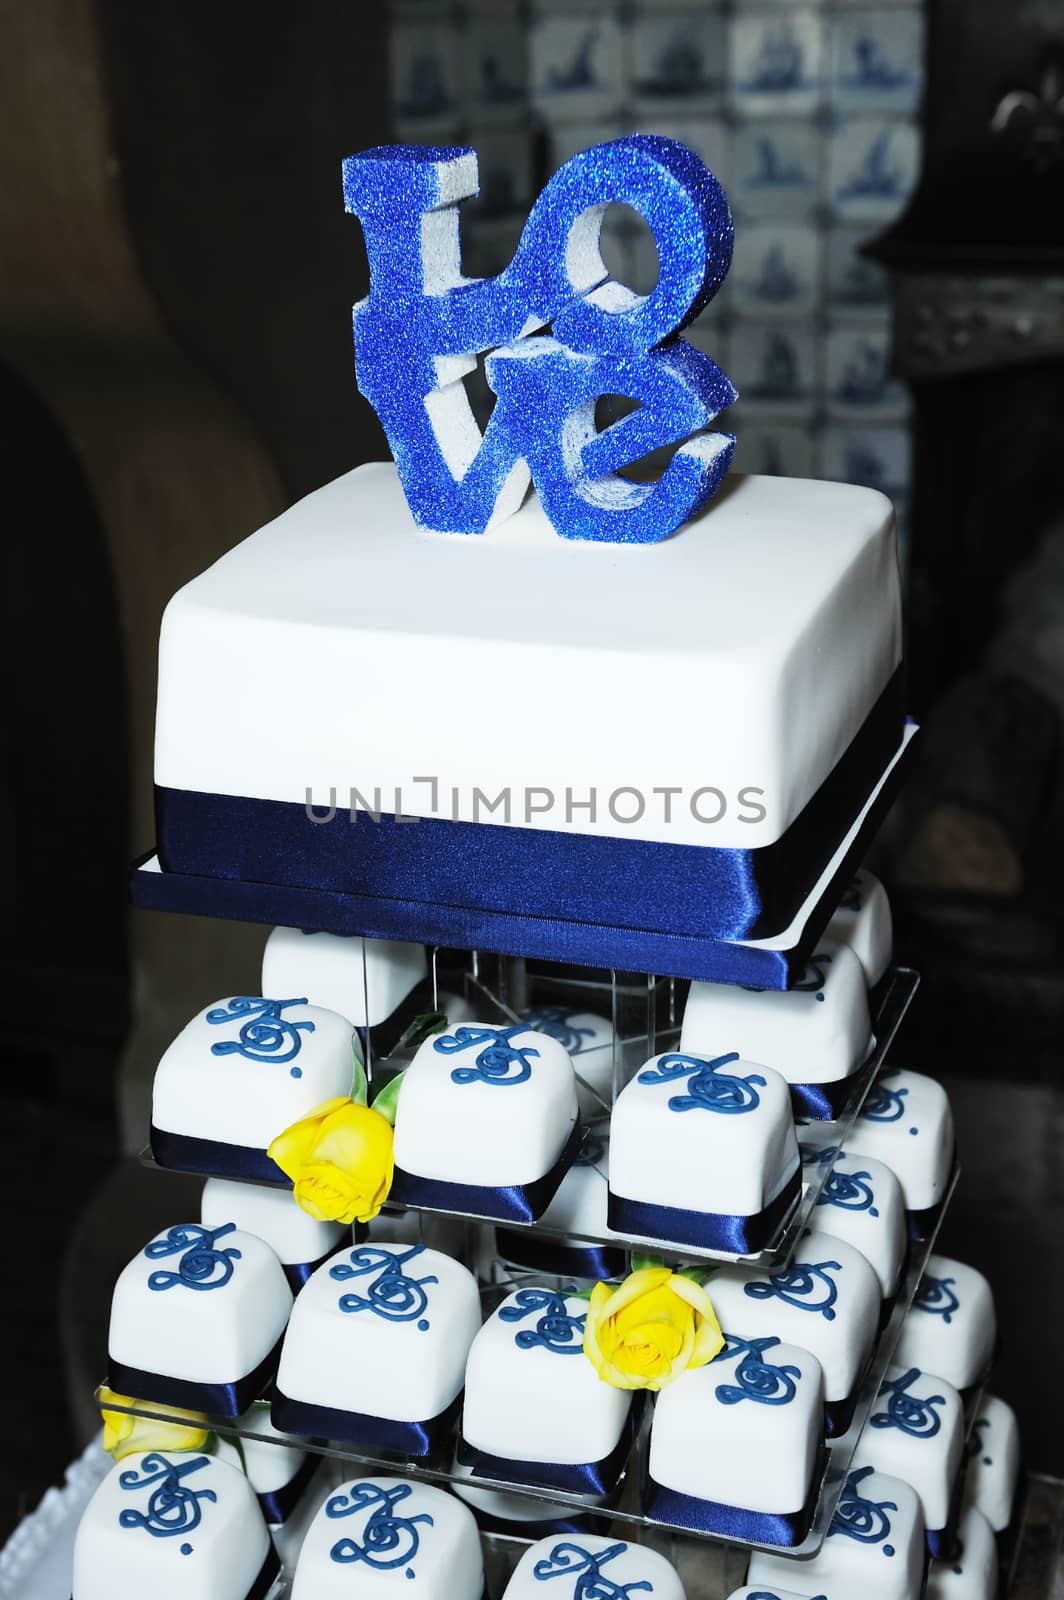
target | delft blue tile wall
x=807, y=112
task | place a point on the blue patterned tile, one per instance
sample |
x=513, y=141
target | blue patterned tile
x=782, y=449
x=505, y=161
x=856, y=287
x=873, y=167
x=577, y=66
x=495, y=67
x=877, y=60
x=709, y=137
x=775, y=368
x=776, y=61
x=426, y=96
x=879, y=458
x=776, y=270
x=679, y=63
x=776, y=169
x=857, y=380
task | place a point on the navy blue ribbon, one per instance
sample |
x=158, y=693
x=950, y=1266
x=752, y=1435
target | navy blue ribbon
x=838, y=1414
x=516, y=1203
x=297, y=1272
x=540, y=1253
x=586, y=1477
x=705, y=1230
x=676, y=1510
x=358, y=1427
x=593, y=1522
x=278, y=1504
x=217, y=1399
x=182, y=1152
x=822, y=1102
x=922, y=1224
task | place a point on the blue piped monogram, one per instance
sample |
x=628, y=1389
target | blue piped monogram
x=201, y=1265
x=388, y=1541
x=756, y=1379
x=804, y=1285
x=850, y=1191
x=499, y=1061
x=391, y=1295
x=975, y=1440
x=266, y=1035
x=936, y=1297
x=861, y=1519
x=569, y=1560
x=814, y=976
x=884, y=1105
x=909, y=1413
x=555, y=1330
x=708, y=1088
x=557, y=1023
x=173, y=1508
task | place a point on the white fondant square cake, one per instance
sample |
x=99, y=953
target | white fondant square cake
x=863, y=922
x=298, y=1240
x=906, y=1122
x=736, y=1445
x=240, y=1073
x=703, y=1152
x=390, y=1536
x=583, y=1566
x=279, y=1472
x=535, y=1409
x=579, y=1210
x=375, y=1351
x=915, y=1431
x=951, y=1327
x=362, y=980
x=525, y=1515
x=183, y=1526
x=196, y=1318
x=862, y=1202
x=816, y=1034
x=874, y=1547
x=993, y=1462
x=971, y=1573
x=827, y=1301
x=589, y=1040
x=485, y=1109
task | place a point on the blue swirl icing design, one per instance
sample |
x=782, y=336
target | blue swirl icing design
x=936, y=1297
x=173, y=1507
x=756, y=1379
x=499, y=1062
x=708, y=1088
x=556, y=1022
x=850, y=1191
x=201, y=1265
x=569, y=1559
x=266, y=1033
x=555, y=1330
x=391, y=1294
x=804, y=1285
x=883, y=1104
x=814, y=976
x=388, y=1541
x=909, y=1413
x=976, y=1441
x=861, y=1519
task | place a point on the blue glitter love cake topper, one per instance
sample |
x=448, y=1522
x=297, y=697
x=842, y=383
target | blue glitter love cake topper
x=420, y=329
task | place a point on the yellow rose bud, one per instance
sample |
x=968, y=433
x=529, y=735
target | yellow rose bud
x=656, y=1325
x=339, y=1158
x=126, y=1435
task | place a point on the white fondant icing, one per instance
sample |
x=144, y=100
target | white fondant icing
x=888, y=1567
x=863, y=1204
x=791, y=1306
x=799, y=576
x=364, y=980
x=269, y=1462
x=589, y=1041
x=216, y=1553
x=973, y=1573
x=223, y=1095
x=528, y=1402
x=926, y=1453
x=424, y=1542
x=477, y=1131
x=272, y=1215
x=702, y=1160
x=364, y=1361
x=524, y=1508
x=288, y=1536
x=708, y=1443
x=810, y=1035
x=215, y=1335
x=907, y=1123
x=994, y=1462
x=622, y=1563
x=951, y=1328
x=759, y=1593
x=863, y=922
x=579, y=1206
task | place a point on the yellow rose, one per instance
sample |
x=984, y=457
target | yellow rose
x=339, y=1158
x=125, y=1435
x=656, y=1325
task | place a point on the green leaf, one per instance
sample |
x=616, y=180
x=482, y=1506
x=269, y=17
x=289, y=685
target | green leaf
x=641, y=1263
x=422, y=1028
x=388, y=1098
x=359, y=1086
x=695, y=1274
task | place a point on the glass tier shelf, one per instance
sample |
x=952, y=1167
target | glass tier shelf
x=625, y=1505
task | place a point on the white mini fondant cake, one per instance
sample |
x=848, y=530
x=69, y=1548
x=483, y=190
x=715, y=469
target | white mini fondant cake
x=971, y=1573
x=363, y=980
x=183, y=1526
x=816, y=1034
x=535, y=1408
x=586, y=1565
x=906, y=1122
x=497, y=1511
x=299, y=1241
x=239, y=1074
x=915, y=1431
x=993, y=1462
x=735, y=1446
x=863, y=922
x=703, y=1152
x=862, y=1202
x=278, y=1471
x=827, y=1301
x=196, y=1318
x=589, y=1040
x=874, y=1547
x=485, y=1108
x=951, y=1328
x=386, y=1536
x=579, y=1211
x=376, y=1348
